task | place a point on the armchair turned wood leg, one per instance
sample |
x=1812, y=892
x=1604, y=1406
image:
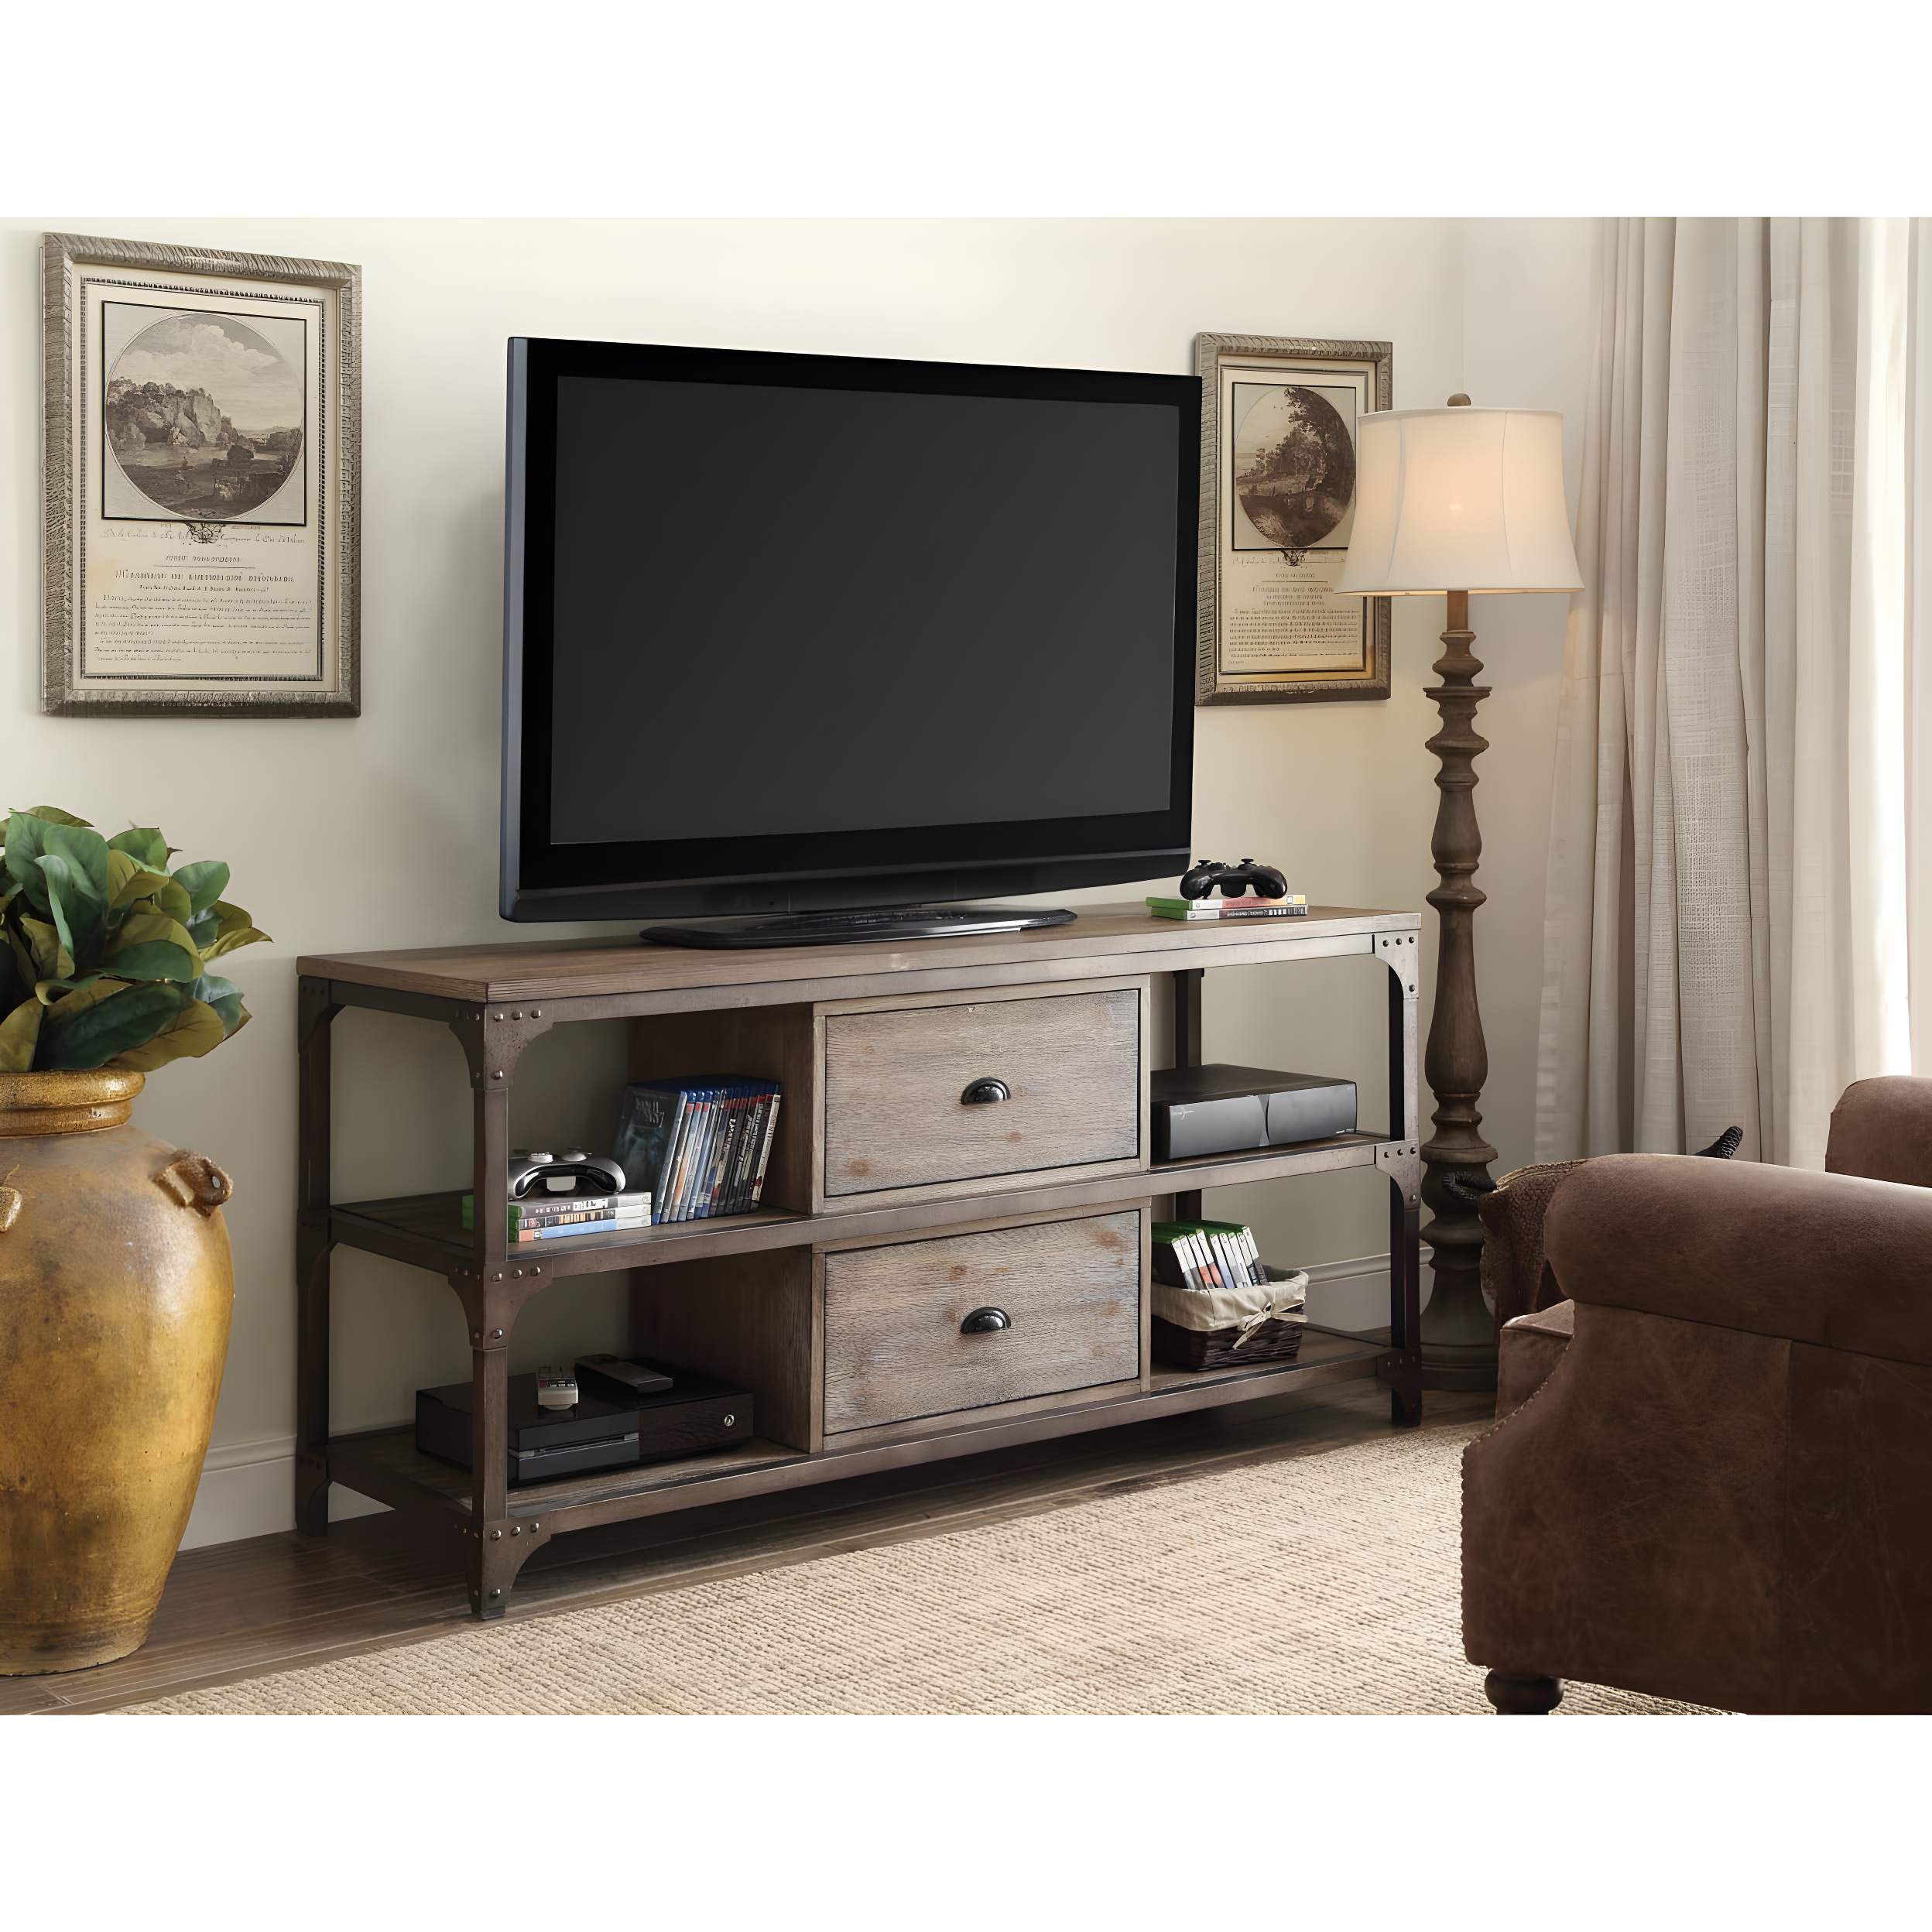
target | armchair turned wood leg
x=1521, y=1697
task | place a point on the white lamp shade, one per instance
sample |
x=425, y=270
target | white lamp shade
x=1459, y=499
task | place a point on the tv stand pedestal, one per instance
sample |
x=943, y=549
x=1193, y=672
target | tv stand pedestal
x=893, y=1209
x=864, y=926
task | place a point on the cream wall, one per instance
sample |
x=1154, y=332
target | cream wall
x=381, y=832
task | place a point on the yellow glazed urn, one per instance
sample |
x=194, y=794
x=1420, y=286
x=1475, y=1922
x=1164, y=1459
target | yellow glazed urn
x=116, y=1288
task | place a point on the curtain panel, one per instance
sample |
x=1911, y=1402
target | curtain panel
x=1739, y=922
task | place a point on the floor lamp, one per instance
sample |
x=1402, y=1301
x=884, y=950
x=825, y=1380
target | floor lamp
x=1456, y=500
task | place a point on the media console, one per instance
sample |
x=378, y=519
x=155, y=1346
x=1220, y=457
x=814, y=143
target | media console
x=893, y=1209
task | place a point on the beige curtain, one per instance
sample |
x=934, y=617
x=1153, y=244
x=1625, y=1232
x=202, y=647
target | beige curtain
x=1739, y=913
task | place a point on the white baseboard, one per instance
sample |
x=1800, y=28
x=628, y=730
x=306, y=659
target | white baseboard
x=248, y=1488
x=1353, y=1295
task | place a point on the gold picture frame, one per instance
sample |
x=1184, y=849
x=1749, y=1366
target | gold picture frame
x=1278, y=417
x=202, y=470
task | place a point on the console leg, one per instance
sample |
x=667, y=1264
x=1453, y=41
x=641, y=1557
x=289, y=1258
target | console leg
x=312, y=1388
x=1404, y=1395
x=494, y=1557
x=1188, y=984
x=1521, y=1697
x=314, y=1248
x=312, y=1379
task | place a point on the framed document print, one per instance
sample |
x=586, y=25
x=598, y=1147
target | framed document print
x=1279, y=421
x=202, y=459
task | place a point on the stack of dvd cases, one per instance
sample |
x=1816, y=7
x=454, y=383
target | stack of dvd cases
x=699, y=1146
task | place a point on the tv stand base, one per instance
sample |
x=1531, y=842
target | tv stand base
x=857, y=927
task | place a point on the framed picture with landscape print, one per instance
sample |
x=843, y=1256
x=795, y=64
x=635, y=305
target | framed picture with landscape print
x=1278, y=428
x=202, y=466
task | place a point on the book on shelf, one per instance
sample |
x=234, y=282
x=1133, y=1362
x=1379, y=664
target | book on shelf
x=698, y=1143
x=1295, y=907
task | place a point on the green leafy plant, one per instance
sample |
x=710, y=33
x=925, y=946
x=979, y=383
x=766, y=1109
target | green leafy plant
x=107, y=950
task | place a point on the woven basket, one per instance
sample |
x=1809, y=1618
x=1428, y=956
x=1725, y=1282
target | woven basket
x=1178, y=1348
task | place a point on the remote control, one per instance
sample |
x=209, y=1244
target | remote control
x=625, y=1379
x=556, y=1389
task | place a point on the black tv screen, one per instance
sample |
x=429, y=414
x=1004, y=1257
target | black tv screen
x=790, y=633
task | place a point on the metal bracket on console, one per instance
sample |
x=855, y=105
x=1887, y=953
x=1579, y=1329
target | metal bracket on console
x=1401, y=1161
x=492, y=1298
x=493, y=1039
x=1399, y=953
x=493, y=1552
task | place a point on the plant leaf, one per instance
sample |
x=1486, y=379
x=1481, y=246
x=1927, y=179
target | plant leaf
x=24, y=963
x=19, y=1032
x=204, y=881
x=154, y=959
x=47, y=956
x=14, y=985
x=195, y=1030
x=54, y=815
x=84, y=849
x=48, y=991
x=74, y=861
x=128, y=879
x=224, y=995
x=53, y=869
x=234, y=928
x=90, y=1028
x=144, y=929
x=145, y=844
x=25, y=832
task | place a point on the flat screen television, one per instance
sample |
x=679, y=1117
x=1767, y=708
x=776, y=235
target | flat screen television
x=792, y=639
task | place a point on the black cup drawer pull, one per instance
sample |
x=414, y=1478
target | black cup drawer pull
x=983, y=1093
x=984, y=1321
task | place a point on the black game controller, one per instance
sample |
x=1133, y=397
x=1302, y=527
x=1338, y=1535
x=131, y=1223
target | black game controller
x=1264, y=880
x=535, y=1173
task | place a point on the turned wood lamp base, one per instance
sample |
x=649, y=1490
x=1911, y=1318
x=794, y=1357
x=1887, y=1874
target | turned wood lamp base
x=1458, y=1329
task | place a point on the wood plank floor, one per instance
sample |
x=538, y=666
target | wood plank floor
x=274, y=1603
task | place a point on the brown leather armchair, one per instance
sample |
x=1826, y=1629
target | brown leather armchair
x=1711, y=1477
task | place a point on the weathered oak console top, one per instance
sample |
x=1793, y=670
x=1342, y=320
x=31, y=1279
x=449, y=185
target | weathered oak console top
x=1103, y=939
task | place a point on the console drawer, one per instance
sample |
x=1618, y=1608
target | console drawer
x=895, y=1078
x=894, y=1351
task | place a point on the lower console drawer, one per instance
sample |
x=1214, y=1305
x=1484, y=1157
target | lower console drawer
x=895, y=1346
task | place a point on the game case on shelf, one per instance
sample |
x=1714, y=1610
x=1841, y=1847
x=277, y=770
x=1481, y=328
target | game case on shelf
x=574, y=1214
x=1295, y=907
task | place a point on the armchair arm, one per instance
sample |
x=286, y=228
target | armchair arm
x=1882, y=1129
x=1831, y=1259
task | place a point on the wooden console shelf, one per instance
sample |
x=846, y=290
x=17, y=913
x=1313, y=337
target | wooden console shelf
x=878, y=1175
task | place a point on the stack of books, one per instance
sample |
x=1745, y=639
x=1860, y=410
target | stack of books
x=1203, y=1255
x=699, y=1145
x=1294, y=906
x=550, y=1217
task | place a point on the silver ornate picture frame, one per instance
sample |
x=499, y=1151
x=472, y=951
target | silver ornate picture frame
x=202, y=469
x=1278, y=431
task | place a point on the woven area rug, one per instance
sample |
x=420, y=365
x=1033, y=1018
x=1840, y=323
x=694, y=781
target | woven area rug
x=1321, y=1584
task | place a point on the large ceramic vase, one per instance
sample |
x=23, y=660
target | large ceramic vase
x=116, y=1287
